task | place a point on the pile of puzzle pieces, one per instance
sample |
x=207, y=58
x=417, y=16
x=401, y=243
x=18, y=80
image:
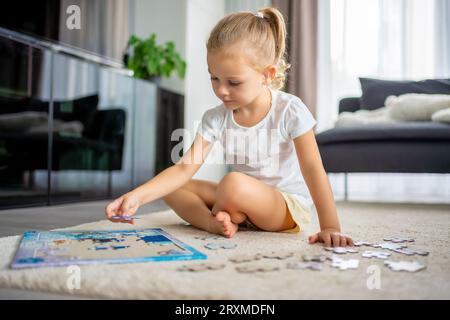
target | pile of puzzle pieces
x=253, y=263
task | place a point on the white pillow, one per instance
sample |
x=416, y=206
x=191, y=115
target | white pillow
x=441, y=116
x=416, y=106
x=363, y=117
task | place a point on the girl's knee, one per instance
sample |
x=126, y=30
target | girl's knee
x=232, y=178
x=231, y=186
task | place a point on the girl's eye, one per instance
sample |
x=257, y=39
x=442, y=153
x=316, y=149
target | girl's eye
x=234, y=84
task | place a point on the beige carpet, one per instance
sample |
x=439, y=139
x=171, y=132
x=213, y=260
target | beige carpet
x=429, y=225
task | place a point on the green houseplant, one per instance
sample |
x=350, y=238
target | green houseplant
x=151, y=61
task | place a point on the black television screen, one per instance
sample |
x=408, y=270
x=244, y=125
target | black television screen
x=96, y=26
x=35, y=18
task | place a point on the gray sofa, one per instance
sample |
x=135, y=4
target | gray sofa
x=404, y=147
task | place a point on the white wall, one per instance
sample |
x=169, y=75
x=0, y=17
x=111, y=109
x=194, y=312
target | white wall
x=202, y=15
x=168, y=20
x=188, y=23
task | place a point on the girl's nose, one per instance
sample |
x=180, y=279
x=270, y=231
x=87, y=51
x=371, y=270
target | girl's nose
x=222, y=91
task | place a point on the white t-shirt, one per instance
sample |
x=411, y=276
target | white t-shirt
x=264, y=151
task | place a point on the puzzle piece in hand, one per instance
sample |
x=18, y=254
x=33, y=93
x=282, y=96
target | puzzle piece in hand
x=252, y=268
x=341, y=250
x=376, y=254
x=245, y=258
x=411, y=252
x=201, y=267
x=362, y=243
x=210, y=237
x=126, y=218
x=411, y=266
x=316, y=266
x=398, y=239
x=222, y=245
x=344, y=264
x=278, y=255
x=314, y=258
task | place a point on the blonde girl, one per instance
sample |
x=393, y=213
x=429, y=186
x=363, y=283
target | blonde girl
x=277, y=173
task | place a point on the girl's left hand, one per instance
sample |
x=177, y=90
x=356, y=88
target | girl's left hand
x=331, y=238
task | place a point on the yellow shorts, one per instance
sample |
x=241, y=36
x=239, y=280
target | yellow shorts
x=299, y=213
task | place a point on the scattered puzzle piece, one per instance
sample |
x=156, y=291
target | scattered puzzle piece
x=314, y=258
x=389, y=246
x=245, y=258
x=398, y=239
x=252, y=268
x=210, y=237
x=316, y=266
x=404, y=251
x=362, y=243
x=344, y=264
x=278, y=255
x=411, y=252
x=222, y=245
x=334, y=258
x=376, y=254
x=410, y=266
x=201, y=267
x=420, y=252
x=341, y=250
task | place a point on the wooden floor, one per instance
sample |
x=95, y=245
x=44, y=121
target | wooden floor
x=16, y=221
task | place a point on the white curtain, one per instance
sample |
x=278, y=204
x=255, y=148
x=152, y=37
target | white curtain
x=386, y=39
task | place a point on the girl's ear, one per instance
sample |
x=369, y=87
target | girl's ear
x=269, y=74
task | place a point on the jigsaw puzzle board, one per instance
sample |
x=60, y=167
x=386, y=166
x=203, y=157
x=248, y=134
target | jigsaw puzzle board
x=57, y=248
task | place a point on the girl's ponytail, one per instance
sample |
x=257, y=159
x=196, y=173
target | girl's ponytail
x=278, y=26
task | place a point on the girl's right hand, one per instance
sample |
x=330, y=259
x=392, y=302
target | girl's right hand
x=125, y=205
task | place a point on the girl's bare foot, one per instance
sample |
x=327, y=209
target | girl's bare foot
x=223, y=224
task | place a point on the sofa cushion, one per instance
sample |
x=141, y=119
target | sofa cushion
x=375, y=91
x=400, y=131
x=415, y=106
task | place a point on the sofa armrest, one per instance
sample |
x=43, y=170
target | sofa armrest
x=350, y=104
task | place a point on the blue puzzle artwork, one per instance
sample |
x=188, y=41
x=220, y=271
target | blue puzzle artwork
x=59, y=248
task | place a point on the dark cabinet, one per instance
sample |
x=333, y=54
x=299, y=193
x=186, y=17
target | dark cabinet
x=170, y=116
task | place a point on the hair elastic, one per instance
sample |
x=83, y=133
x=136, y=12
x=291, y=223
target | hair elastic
x=259, y=15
